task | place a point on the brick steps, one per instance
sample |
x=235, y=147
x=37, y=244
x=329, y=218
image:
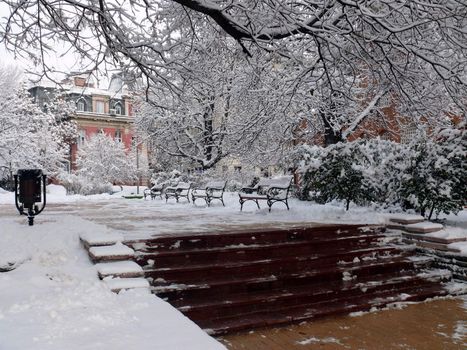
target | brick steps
x=231, y=281
x=249, y=237
x=241, y=304
x=258, y=252
x=304, y=312
x=276, y=266
x=114, y=262
x=300, y=277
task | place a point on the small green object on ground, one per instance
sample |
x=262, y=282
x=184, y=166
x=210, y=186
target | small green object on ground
x=133, y=196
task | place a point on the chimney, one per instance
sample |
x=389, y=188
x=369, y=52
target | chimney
x=79, y=81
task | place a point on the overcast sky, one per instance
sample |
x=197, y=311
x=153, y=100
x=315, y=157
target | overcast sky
x=61, y=62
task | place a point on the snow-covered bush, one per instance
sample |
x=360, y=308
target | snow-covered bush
x=435, y=180
x=101, y=161
x=78, y=184
x=383, y=164
x=428, y=175
x=337, y=173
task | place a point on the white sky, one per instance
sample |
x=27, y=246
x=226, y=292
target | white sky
x=61, y=62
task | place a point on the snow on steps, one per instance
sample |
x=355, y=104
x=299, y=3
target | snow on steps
x=446, y=255
x=448, y=248
x=117, y=251
x=406, y=219
x=117, y=284
x=234, y=281
x=114, y=260
x=442, y=240
x=122, y=269
x=423, y=227
x=91, y=239
x=412, y=223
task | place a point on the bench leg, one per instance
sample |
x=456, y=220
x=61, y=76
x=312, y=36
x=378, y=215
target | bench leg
x=222, y=200
x=257, y=204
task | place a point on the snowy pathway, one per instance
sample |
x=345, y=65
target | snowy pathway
x=53, y=300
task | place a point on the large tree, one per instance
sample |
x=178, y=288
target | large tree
x=29, y=135
x=225, y=105
x=351, y=56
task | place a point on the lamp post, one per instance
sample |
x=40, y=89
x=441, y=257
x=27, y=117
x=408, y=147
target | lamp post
x=30, y=188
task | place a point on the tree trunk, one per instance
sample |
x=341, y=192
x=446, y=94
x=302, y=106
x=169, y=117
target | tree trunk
x=331, y=136
x=431, y=211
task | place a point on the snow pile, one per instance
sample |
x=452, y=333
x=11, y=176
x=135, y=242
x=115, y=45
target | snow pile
x=53, y=300
x=56, y=190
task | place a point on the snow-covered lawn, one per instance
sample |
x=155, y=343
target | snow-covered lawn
x=53, y=299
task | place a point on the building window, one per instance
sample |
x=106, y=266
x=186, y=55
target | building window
x=100, y=107
x=118, y=109
x=81, y=105
x=81, y=137
x=408, y=133
x=118, y=135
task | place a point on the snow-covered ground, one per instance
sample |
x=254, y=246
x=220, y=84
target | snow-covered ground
x=53, y=300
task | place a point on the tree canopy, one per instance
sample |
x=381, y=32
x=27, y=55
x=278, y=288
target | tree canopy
x=346, y=60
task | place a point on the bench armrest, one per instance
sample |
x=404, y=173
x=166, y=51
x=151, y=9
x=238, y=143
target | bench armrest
x=278, y=191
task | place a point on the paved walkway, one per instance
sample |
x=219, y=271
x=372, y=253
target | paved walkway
x=434, y=325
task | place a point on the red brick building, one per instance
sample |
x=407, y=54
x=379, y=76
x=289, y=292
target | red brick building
x=97, y=110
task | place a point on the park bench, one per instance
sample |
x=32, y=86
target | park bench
x=154, y=191
x=180, y=190
x=212, y=190
x=269, y=190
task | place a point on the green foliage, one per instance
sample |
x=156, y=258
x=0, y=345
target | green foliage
x=434, y=181
x=339, y=176
x=428, y=175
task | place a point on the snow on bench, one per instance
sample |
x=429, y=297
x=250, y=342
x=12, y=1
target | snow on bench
x=423, y=227
x=117, y=284
x=91, y=239
x=117, y=251
x=124, y=269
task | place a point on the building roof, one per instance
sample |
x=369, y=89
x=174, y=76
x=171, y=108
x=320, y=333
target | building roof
x=117, y=89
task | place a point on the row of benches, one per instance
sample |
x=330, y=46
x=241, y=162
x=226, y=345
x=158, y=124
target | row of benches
x=270, y=190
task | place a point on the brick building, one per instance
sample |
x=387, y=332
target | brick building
x=97, y=110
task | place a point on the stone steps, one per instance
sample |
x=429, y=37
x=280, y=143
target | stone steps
x=247, y=237
x=253, y=251
x=229, y=281
x=215, y=306
x=306, y=312
x=207, y=272
x=114, y=262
